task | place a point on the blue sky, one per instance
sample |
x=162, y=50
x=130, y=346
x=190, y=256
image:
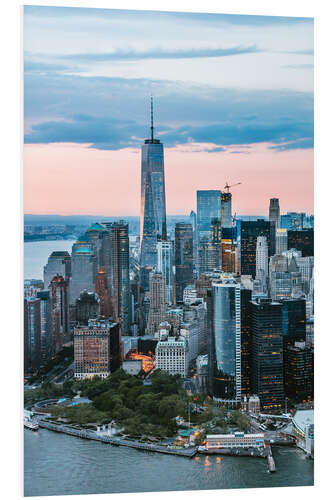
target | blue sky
x=219, y=79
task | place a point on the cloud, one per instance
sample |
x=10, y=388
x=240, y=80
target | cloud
x=132, y=55
x=92, y=110
x=303, y=143
x=298, y=66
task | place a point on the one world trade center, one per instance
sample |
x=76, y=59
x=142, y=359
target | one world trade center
x=153, y=213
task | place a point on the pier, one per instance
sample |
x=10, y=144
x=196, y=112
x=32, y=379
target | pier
x=85, y=434
x=270, y=460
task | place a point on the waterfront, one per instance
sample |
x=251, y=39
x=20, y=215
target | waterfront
x=58, y=464
x=36, y=254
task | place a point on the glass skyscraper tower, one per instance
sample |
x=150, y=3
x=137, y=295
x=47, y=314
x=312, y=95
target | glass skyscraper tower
x=153, y=212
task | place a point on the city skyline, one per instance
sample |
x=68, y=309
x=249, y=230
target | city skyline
x=256, y=130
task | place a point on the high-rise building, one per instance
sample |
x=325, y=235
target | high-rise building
x=267, y=353
x=281, y=241
x=302, y=240
x=225, y=342
x=83, y=268
x=164, y=266
x=32, y=334
x=298, y=371
x=193, y=219
x=58, y=263
x=274, y=212
x=59, y=312
x=183, y=258
x=103, y=293
x=121, y=305
x=293, y=321
x=208, y=208
x=226, y=213
x=262, y=262
x=293, y=221
x=246, y=295
x=247, y=234
x=153, y=207
x=87, y=307
x=45, y=325
x=157, y=308
x=97, y=349
x=229, y=250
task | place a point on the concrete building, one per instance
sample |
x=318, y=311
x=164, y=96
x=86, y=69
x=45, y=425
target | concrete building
x=190, y=294
x=172, y=356
x=281, y=241
x=58, y=263
x=32, y=334
x=262, y=262
x=157, y=307
x=59, y=313
x=202, y=373
x=87, y=307
x=97, y=349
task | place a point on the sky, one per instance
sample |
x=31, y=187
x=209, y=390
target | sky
x=233, y=102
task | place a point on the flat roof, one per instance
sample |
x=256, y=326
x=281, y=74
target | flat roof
x=302, y=418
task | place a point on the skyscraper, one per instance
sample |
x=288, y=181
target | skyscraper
x=153, y=207
x=302, y=240
x=120, y=275
x=32, y=333
x=226, y=214
x=164, y=266
x=59, y=312
x=83, y=267
x=262, y=262
x=247, y=234
x=157, y=307
x=58, y=263
x=103, y=293
x=267, y=352
x=281, y=241
x=274, y=212
x=208, y=208
x=45, y=325
x=225, y=344
x=183, y=257
x=87, y=307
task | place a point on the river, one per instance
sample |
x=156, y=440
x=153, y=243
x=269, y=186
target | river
x=58, y=464
x=36, y=254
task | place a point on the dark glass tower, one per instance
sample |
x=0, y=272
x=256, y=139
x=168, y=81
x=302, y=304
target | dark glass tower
x=302, y=240
x=267, y=353
x=153, y=211
x=183, y=258
x=247, y=234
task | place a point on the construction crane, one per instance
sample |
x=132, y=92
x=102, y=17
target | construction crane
x=228, y=186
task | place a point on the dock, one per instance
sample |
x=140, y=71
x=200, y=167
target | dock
x=85, y=434
x=270, y=460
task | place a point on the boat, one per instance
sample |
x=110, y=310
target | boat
x=29, y=424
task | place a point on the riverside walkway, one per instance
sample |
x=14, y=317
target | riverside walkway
x=85, y=434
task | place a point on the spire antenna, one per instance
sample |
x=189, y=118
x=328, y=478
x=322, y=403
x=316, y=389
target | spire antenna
x=151, y=119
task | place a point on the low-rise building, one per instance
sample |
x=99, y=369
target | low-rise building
x=236, y=440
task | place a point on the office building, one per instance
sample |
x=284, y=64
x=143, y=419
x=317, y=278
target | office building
x=225, y=342
x=45, y=325
x=58, y=289
x=262, y=262
x=83, y=268
x=172, y=356
x=58, y=263
x=274, y=212
x=293, y=321
x=32, y=334
x=226, y=210
x=298, y=371
x=229, y=250
x=246, y=296
x=164, y=266
x=157, y=307
x=121, y=305
x=103, y=293
x=97, y=349
x=281, y=241
x=183, y=258
x=153, y=207
x=208, y=208
x=267, y=353
x=247, y=234
x=193, y=219
x=302, y=240
x=293, y=221
x=190, y=294
x=236, y=440
x=87, y=307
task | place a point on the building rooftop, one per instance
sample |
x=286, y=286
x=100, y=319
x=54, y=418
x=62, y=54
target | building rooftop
x=83, y=250
x=97, y=227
